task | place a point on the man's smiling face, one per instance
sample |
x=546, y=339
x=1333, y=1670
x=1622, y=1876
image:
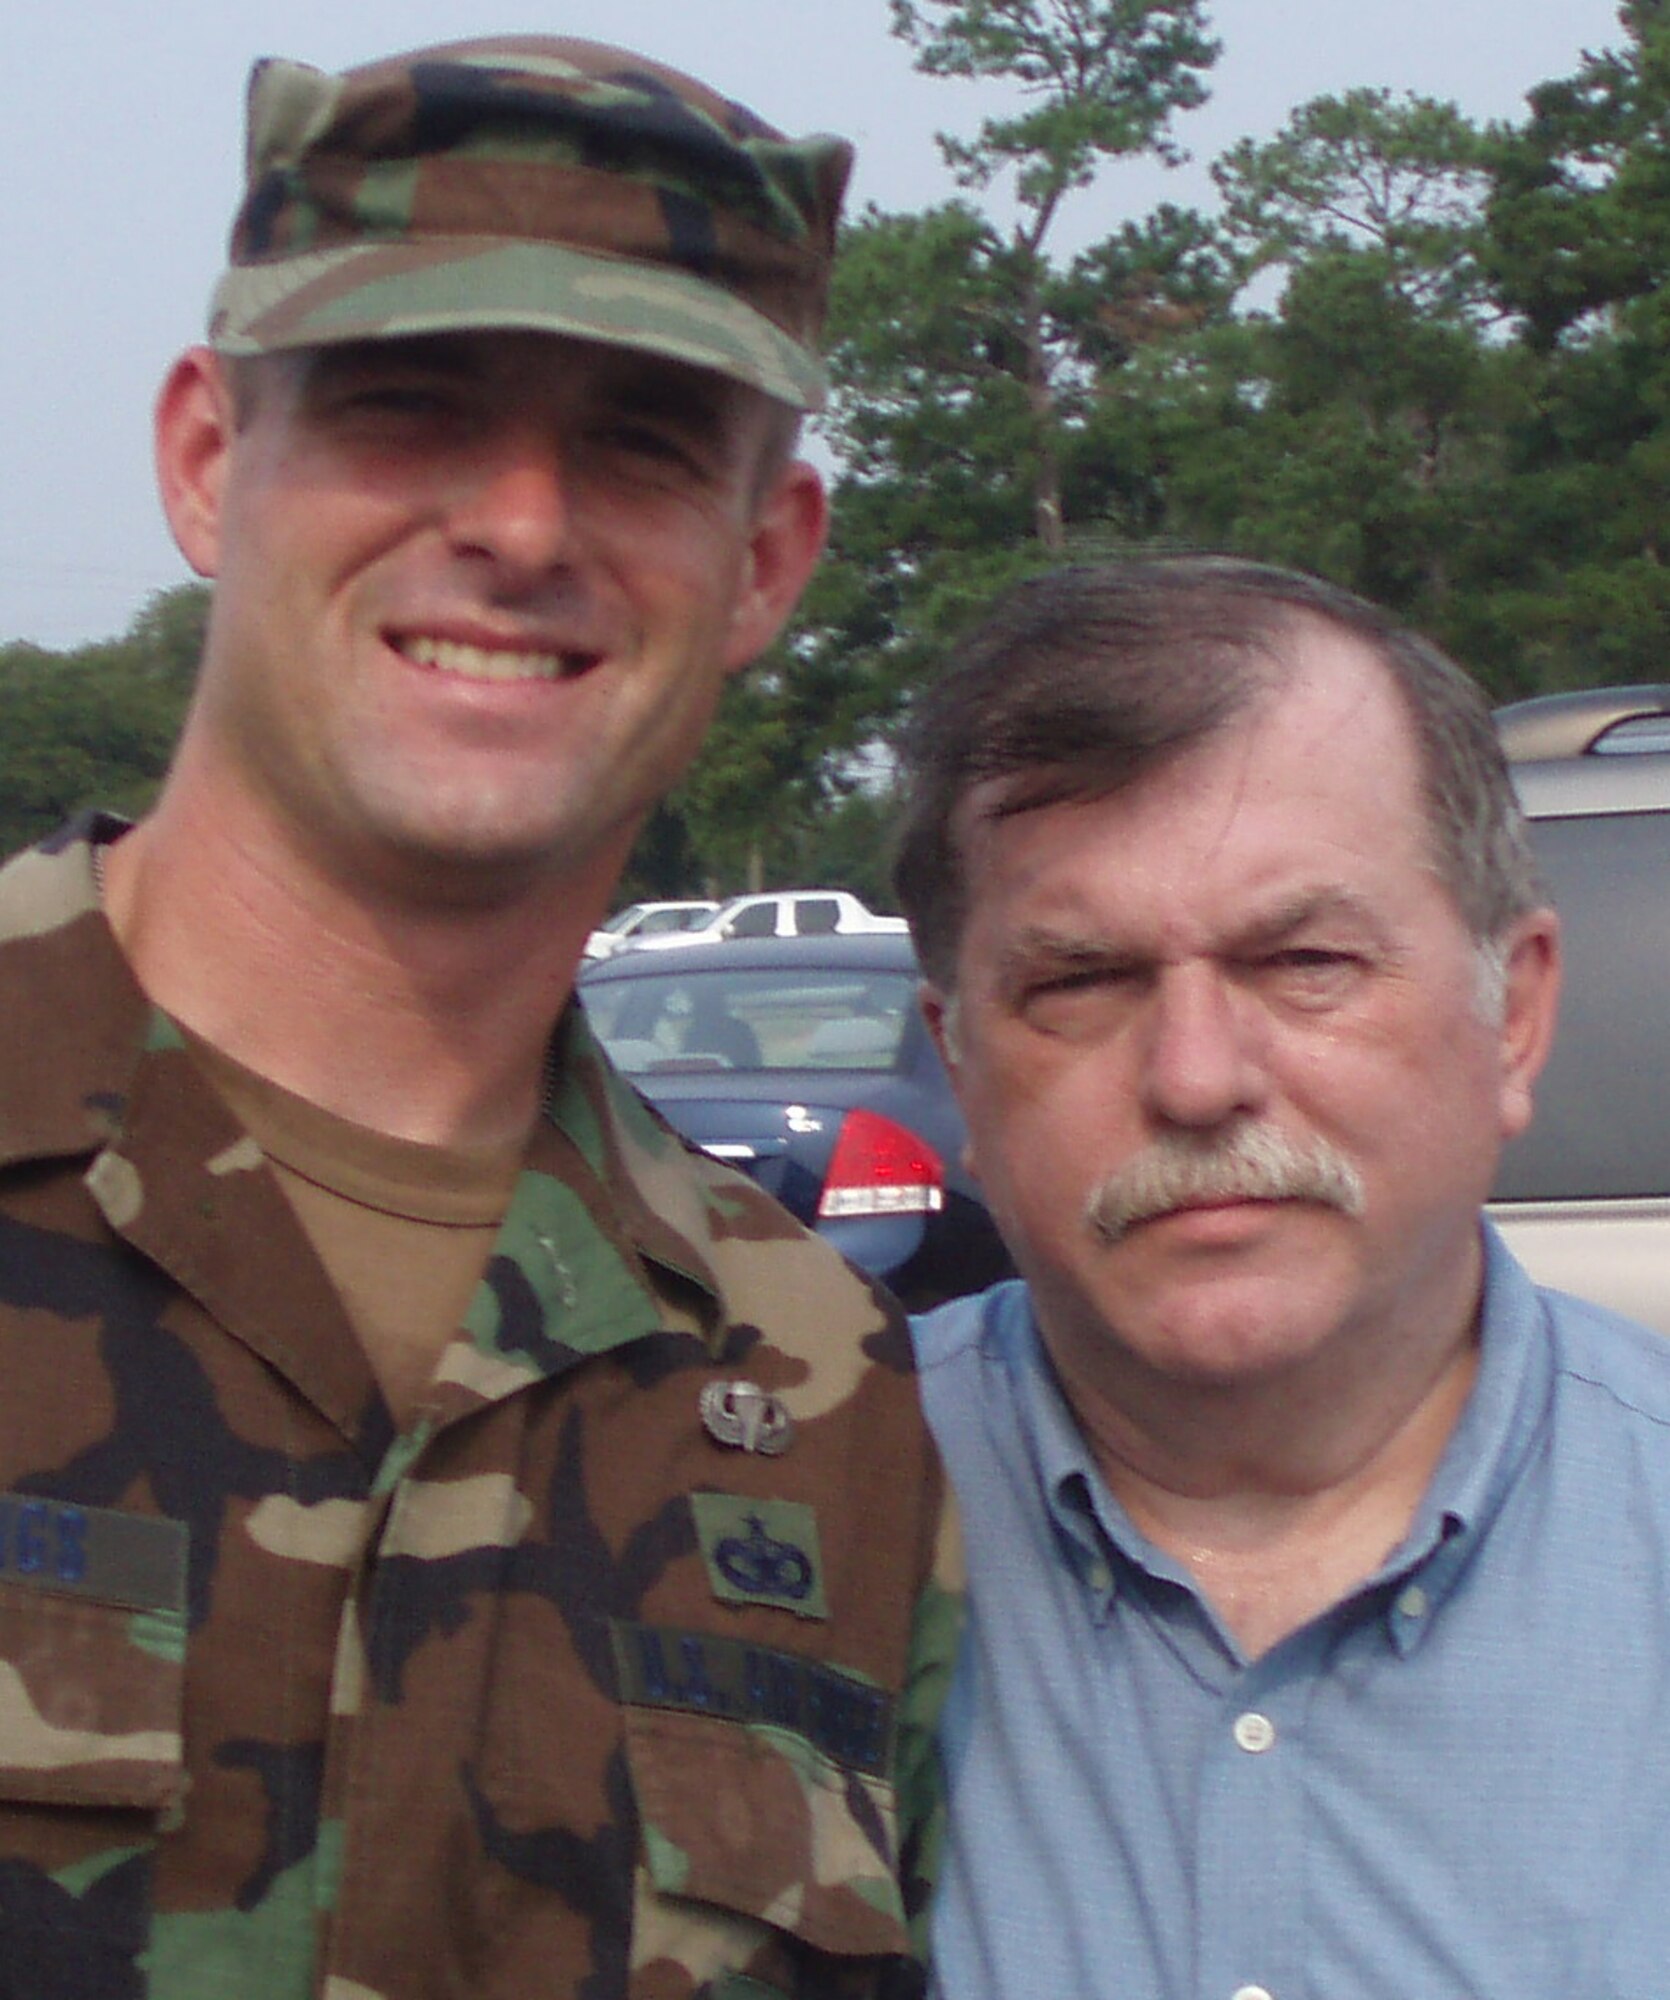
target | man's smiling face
x=476, y=596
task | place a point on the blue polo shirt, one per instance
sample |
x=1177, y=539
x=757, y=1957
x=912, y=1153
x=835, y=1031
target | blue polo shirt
x=1453, y=1786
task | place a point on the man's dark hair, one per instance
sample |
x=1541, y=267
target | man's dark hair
x=1081, y=680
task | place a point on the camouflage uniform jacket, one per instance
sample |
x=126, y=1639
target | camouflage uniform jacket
x=559, y=1694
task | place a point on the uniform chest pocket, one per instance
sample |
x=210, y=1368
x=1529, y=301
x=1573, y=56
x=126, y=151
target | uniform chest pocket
x=769, y=1836
x=89, y=1707
x=92, y=1648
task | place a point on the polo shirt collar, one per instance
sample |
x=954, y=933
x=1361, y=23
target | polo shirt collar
x=1483, y=1459
x=1486, y=1454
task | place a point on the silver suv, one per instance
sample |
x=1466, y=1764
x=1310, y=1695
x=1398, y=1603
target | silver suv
x=1584, y=1197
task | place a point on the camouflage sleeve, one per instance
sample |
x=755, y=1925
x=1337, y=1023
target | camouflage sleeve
x=935, y=1637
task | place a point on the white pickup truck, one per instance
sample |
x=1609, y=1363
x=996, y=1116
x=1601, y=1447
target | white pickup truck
x=777, y=913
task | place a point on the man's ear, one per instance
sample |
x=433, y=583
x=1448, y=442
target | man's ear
x=940, y=1014
x=193, y=434
x=1531, y=1003
x=783, y=548
x=939, y=1011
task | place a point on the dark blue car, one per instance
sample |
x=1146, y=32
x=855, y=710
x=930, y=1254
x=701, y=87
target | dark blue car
x=805, y=1062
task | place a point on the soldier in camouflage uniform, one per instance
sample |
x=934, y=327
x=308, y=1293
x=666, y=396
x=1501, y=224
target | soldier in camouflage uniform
x=453, y=1539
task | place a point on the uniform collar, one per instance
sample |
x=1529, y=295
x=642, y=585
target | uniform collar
x=71, y=1074
x=66, y=1073
x=671, y=1213
x=65, y=1070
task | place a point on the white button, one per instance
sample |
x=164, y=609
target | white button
x=1253, y=1732
x=1099, y=1576
x=1412, y=1602
x=1251, y=1993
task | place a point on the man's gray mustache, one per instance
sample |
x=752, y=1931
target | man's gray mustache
x=1251, y=1163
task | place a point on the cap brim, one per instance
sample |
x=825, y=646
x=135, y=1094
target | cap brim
x=380, y=291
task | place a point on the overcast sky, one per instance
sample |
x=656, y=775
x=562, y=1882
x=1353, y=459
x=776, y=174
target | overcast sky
x=120, y=149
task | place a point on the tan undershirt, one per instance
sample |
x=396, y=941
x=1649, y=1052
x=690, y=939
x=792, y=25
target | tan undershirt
x=403, y=1229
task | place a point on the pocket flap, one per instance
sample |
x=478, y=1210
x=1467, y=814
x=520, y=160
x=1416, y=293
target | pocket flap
x=753, y=1818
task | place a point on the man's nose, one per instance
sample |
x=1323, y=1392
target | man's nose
x=514, y=503
x=1203, y=1049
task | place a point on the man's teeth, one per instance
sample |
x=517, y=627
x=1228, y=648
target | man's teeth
x=482, y=663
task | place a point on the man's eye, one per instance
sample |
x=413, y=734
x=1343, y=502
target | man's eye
x=401, y=399
x=650, y=441
x=1073, y=1003
x=1081, y=979
x=389, y=397
x=671, y=440
x=1310, y=973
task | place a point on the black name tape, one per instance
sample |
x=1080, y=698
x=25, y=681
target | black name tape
x=700, y=1673
x=136, y=1560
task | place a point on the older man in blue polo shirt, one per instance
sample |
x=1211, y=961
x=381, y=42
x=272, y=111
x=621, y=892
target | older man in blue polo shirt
x=1320, y=1563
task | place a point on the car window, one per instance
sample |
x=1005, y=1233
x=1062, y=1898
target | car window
x=659, y=921
x=807, y=1017
x=753, y=920
x=1602, y=1125
x=817, y=916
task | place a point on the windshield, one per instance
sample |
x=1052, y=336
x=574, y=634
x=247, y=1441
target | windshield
x=807, y=1017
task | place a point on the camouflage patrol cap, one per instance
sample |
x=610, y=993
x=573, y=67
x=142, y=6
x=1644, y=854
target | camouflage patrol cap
x=531, y=182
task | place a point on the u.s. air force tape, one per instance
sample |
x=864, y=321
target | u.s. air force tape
x=136, y=1560
x=701, y=1673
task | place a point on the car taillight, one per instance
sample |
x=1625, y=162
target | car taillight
x=881, y=1168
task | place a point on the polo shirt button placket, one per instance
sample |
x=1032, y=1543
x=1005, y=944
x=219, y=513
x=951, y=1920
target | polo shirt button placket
x=1250, y=1863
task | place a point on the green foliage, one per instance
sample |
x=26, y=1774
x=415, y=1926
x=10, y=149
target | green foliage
x=166, y=639
x=1579, y=252
x=1401, y=177
x=95, y=726
x=1395, y=417
x=966, y=419
x=1580, y=214
x=1105, y=78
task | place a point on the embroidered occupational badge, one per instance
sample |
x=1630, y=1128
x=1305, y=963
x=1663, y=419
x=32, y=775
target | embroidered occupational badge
x=761, y=1552
x=746, y=1416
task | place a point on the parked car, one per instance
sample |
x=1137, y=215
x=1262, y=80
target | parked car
x=1584, y=1197
x=640, y=921
x=806, y=1063
x=783, y=913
